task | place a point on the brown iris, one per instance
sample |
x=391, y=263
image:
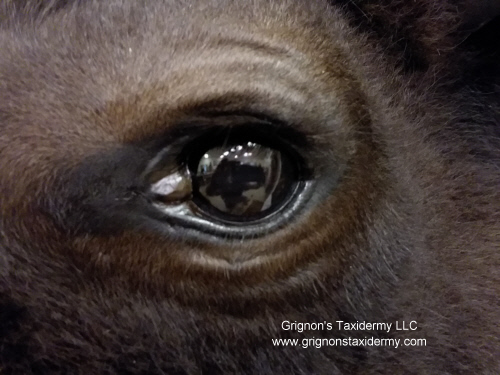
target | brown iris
x=242, y=179
x=238, y=182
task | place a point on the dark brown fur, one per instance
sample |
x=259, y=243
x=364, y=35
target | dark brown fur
x=402, y=97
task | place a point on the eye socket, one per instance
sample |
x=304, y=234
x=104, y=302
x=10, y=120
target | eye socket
x=226, y=177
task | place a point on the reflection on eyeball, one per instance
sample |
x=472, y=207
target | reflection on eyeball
x=241, y=179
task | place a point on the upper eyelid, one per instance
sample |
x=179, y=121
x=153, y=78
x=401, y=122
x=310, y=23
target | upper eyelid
x=199, y=123
x=174, y=146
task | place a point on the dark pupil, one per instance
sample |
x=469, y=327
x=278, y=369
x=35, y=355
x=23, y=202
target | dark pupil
x=240, y=179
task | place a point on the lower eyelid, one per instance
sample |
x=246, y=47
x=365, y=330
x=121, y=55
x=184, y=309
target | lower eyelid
x=186, y=215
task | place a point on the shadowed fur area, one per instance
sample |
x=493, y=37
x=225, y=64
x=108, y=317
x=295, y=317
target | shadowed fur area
x=394, y=110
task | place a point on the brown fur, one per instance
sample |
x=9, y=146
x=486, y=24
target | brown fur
x=395, y=96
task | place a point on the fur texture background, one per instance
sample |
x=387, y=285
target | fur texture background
x=401, y=96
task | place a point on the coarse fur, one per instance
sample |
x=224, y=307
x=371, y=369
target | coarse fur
x=401, y=98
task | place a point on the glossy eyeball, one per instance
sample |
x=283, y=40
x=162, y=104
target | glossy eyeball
x=171, y=187
x=244, y=181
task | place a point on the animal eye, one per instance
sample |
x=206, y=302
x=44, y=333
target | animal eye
x=228, y=181
x=242, y=182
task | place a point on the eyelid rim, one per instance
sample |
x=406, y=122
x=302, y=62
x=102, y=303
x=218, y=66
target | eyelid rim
x=192, y=217
x=187, y=215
